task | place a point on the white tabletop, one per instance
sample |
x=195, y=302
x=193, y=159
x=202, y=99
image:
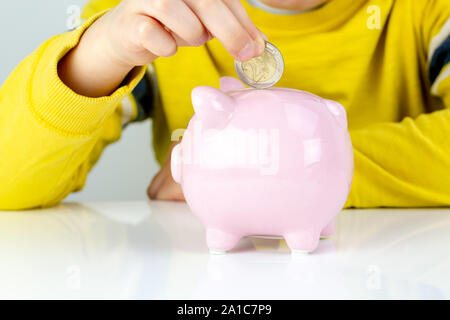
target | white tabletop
x=157, y=250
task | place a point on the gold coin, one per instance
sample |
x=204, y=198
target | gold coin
x=260, y=69
x=263, y=71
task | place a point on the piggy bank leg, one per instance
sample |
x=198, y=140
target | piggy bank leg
x=328, y=230
x=219, y=241
x=303, y=241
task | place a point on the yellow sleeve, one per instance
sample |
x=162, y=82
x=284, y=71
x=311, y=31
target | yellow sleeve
x=50, y=136
x=407, y=164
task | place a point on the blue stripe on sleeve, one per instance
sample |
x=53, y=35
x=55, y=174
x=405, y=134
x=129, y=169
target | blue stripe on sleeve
x=439, y=60
x=143, y=95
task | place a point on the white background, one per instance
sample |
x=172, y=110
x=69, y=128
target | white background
x=126, y=167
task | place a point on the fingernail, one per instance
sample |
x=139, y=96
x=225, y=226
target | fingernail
x=247, y=52
x=202, y=41
x=264, y=36
x=261, y=46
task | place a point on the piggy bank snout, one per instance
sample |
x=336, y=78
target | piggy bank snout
x=175, y=163
x=338, y=111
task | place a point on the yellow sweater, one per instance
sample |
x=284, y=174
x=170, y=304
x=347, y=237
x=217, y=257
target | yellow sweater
x=386, y=61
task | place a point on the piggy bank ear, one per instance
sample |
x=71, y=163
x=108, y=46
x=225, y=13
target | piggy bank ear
x=229, y=84
x=212, y=106
x=338, y=111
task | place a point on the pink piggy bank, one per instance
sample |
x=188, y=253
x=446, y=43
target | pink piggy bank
x=272, y=162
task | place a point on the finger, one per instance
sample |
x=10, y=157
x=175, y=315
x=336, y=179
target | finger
x=152, y=189
x=183, y=43
x=170, y=191
x=222, y=23
x=263, y=35
x=180, y=41
x=159, y=178
x=153, y=37
x=178, y=18
x=239, y=12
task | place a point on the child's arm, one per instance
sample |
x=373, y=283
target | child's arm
x=58, y=109
x=49, y=135
x=408, y=163
x=137, y=32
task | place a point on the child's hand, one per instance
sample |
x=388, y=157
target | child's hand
x=138, y=31
x=163, y=187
